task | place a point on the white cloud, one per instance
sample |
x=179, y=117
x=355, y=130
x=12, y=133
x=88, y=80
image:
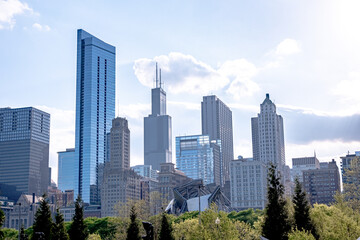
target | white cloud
x=287, y=47
x=8, y=10
x=348, y=89
x=185, y=74
x=40, y=27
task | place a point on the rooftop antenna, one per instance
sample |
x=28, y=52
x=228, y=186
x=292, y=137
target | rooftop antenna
x=160, y=77
x=118, y=106
x=157, y=81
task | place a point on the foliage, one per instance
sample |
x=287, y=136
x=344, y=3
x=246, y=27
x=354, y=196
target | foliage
x=43, y=221
x=94, y=237
x=2, y=220
x=352, y=185
x=58, y=229
x=133, y=232
x=166, y=229
x=10, y=234
x=333, y=222
x=276, y=223
x=141, y=208
x=104, y=227
x=23, y=235
x=158, y=202
x=246, y=231
x=186, y=216
x=302, y=210
x=248, y=216
x=78, y=229
x=301, y=235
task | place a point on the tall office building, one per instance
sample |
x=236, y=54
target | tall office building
x=199, y=158
x=157, y=129
x=216, y=119
x=67, y=175
x=119, y=140
x=24, y=149
x=301, y=164
x=95, y=108
x=268, y=135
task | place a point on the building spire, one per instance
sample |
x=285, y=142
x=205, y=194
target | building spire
x=157, y=81
x=160, y=76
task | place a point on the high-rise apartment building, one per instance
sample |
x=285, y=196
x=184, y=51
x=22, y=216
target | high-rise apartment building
x=119, y=182
x=95, y=109
x=216, y=122
x=67, y=175
x=301, y=164
x=248, y=184
x=24, y=149
x=199, y=158
x=322, y=184
x=157, y=129
x=268, y=135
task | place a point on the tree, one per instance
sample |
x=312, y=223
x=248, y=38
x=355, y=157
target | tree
x=58, y=230
x=352, y=184
x=276, y=223
x=302, y=210
x=23, y=235
x=166, y=230
x=78, y=230
x=2, y=220
x=133, y=232
x=43, y=221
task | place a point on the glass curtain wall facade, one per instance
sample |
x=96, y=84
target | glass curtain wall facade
x=24, y=149
x=95, y=109
x=198, y=158
x=66, y=171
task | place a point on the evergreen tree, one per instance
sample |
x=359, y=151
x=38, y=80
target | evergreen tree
x=166, y=230
x=302, y=210
x=58, y=230
x=43, y=221
x=23, y=235
x=276, y=225
x=78, y=230
x=2, y=220
x=133, y=232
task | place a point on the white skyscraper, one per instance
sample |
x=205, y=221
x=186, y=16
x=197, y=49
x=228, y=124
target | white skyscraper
x=268, y=135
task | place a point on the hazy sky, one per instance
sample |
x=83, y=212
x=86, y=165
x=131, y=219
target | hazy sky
x=306, y=54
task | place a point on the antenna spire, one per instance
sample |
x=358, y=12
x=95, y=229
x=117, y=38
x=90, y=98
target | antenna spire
x=157, y=81
x=160, y=77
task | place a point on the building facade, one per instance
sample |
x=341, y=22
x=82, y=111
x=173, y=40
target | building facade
x=95, y=108
x=216, y=122
x=322, y=184
x=346, y=164
x=157, y=129
x=67, y=174
x=199, y=158
x=268, y=136
x=248, y=184
x=145, y=171
x=301, y=164
x=24, y=150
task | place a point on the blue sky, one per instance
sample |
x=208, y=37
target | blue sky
x=304, y=53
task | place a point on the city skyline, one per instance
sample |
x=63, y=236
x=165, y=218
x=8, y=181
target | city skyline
x=248, y=58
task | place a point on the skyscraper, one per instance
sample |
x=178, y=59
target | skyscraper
x=216, y=119
x=268, y=135
x=24, y=149
x=95, y=109
x=199, y=158
x=157, y=129
x=67, y=175
x=119, y=141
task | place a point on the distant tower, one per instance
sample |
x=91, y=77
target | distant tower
x=157, y=129
x=119, y=141
x=268, y=135
x=216, y=119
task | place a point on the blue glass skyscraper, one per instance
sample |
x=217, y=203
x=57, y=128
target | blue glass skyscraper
x=95, y=109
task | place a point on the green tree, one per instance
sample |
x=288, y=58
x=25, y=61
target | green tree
x=43, y=221
x=352, y=184
x=133, y=232
x=2, y=220
x=276, y=224
x=300, y=235
x=23, y=235
x=166, y=230
x=302, y=210
x=78, y=230
x=58, y=230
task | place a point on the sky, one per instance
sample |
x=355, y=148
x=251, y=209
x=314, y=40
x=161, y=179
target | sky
x=305, y=54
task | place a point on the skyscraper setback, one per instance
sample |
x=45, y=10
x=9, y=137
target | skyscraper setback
x=268, y=135
x=157, y=129
x=95, y=109
x=216, y=119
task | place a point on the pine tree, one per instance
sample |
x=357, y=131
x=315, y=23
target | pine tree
x=133, y=232
x=166, y=230
x=2, y=220
x=23, y=235
x=58, y=230
x=43, y=221
x=276, y=224
x=302, y=210
x=78, y=230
